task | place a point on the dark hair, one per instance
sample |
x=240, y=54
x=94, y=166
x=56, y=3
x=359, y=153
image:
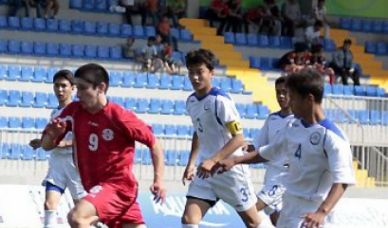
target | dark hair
x=305, y=82
x=201, y=56
x=93, y=73
x=151, y=38
x=318, y=23
x=280, y=80
x=64, y=74
x=347, y=41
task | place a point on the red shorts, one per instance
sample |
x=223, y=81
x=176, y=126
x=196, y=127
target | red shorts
x=114, y=205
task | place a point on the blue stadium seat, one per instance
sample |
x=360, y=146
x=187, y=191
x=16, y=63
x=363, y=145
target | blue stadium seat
x=363, y=116
x=377, y=26
x=118, y=100
x=77, y=4
x=14, y=73
x=126, y=30
x=15, y=152
x=138, y=156
x=175, y=33
x=187, y=84
x=229, y=37
x=246, y=133
x=167, y=107
x=165, y=81
x=3, y=46
x=27, y=73
x=262, y=111
x=180, y=107
x=27, y=47
x=103, y=52
x=39, y=48
x=52, y=101
x=157, y=129
x=3, y=22
x=150, y=31
x=52, y=49
x=183, y=158
x=251, y=111
x=91, y=51
x=115, y=78
x=14, y=46
x=226, y=84
x=5, y=150
x=345, y=23
x=78, y=50
x=3, y=71
x=27, y=153
x=65, y=50
x=3, y=122
x=171, y=157
x=77, y=26
x=263, y=40
x=254, y=132
x=138, y=31
x=274, y=41
x=381, y=48
x=64, y=26
x=28, y=122
x=366, y=26
x=27, y=23
x=240, y=39
x=329, y=45
x=88, y=4
x=13, y=22
x=115, y=52
x=140, y=80
x=327, y=89
x=385, y=117
x=356, y=24
x=113, y=29
x=385, y=27
x=40, y=100
x=27, y=99
x=130, y=103
x=170, y=129
x=237, y=86
x=265, y=63
x=100, y=5
x=252, y=39
x=216, y=82
x=14, y=122
x=146, y=157
x=102, y=28
x=241, y=109
x=371, y=91
x=360, y=90
x=40, y=123
x=375, y=117
x=183, y=130
x=141, y=105
x=370, y=47
x=152, y=81
x=186, y=35
x=285, y=42
x=128, y=79
x=380, y=92
x=348, y=90
x=39, y=24
x=52, y=25
x=177, y=82
x=338, y=89
x=90, y=27
x=155, y=106
x=50, y=74
x=254, y=62
x=41, y=155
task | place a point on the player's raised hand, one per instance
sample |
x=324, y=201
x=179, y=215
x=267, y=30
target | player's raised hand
x=188, y=174
x=55, y=128
x=35, y=143
x=225, y=164
x=313, y=220
x=159, y=192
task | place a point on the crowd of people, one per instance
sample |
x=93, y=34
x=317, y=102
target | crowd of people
x=44, y=8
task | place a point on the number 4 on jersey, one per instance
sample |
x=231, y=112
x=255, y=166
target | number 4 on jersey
x=298, y=152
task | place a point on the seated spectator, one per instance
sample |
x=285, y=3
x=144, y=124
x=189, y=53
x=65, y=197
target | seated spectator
x=272, y=22
x=296, y=59
x=16, y=5
x=150, y=8
x=164, y=30
x=342, y=64
x=176, y=9
x=128, y=50
x=171, y=66
x=253, y=17
x=312, y=35
x=215, y=11
x=234, y=16
x=131, y=8
x=149, y=59
x=51, y=9
x=318, y=61
x=292, y=17
x=320, y=15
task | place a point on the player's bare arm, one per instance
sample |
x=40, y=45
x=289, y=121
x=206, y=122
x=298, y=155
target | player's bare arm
x=248, y=158
x=158, y=188
x=190, y=167
x=52, y=131
x=315, y=219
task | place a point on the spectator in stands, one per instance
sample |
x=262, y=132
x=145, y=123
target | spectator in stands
x=39, y=5
x=131, y=8
x=253, y=17
x=51, y=9
x=164, y=30
x=319, y=13
x=312, y=35
x=295, y=60
x=176, y=9
x=318, y=61
x=342, y=64
x=62, y=172
x=128, y=50
x=16, y=5
x=171, y=65
x=150, y=59
x=234, y=18
x=105, y=134
x=150, y=8
x=292, y=17
x=272, y=22
x=216, y=12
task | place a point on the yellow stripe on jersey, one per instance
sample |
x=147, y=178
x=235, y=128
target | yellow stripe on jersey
x=234, y=127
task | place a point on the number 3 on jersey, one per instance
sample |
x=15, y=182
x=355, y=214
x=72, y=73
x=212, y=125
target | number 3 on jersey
x=93, y=142
x=298, y=152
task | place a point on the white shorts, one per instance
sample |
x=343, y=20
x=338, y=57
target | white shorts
x=62, y=173
x=234, y=187
x=294, y=210
x=272, y=195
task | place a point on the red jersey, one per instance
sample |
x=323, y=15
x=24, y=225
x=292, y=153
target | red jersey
x=104, y=143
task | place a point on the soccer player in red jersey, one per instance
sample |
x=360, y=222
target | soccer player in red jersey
x=104, y=147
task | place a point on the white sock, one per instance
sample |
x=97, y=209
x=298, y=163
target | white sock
x=265, y=224
x=190, y=226
x=50, y=218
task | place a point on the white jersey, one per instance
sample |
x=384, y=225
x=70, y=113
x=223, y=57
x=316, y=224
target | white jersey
x=275, y=169
x=209, y=115
x=318, y=155
x=68, y=137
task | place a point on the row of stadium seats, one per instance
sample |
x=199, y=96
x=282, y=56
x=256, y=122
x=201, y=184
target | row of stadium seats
x=377, y=48
x=92, y=5
x=255, y=40
x=372, y=117
x=263, y=63
x=121, y=78
x=364, y=25
x=349, y=90
x=87, y=28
